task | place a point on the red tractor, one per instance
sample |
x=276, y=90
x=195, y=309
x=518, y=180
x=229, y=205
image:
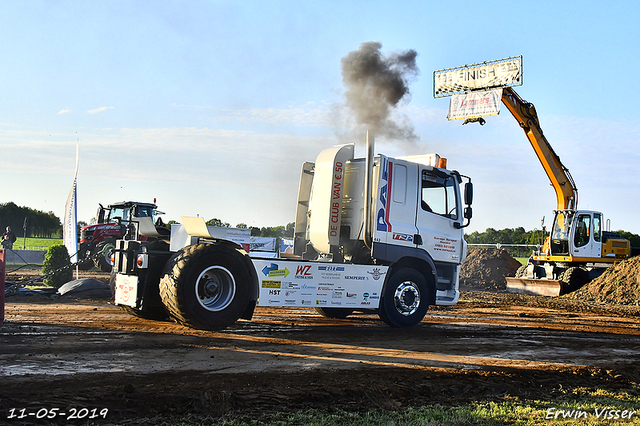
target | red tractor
x=114, y=222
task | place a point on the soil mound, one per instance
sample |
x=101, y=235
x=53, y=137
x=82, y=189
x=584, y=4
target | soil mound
x=619, y=285
x=485, y=269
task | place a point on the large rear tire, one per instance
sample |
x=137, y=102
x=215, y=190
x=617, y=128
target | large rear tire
x=405, y=299
x=206, y=286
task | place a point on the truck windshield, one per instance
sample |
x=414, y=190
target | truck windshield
x=439, y=194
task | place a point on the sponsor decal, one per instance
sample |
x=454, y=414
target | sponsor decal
x=274, y=301
x=336, y=200
x=324, y=288
x=331, y=268
x=354, y=277
x=376, y=274
x=306, y=302
x=365, y=296
x=336, y=303
x=127, y=290
x=331, y=275
x=290, y=301
x=403, y=237
x=308, y=286
x=445, y=244
x=352, y=295
x=321, y=302
x=289, y=292
x=304, y=272
x=270, y=284
x=273, y=271
x=337, y=295
x=273, y=292
x=383, y=223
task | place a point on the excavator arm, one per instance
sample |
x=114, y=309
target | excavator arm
x=525, y=113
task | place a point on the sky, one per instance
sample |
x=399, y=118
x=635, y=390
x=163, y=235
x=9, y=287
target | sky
x=211, y=107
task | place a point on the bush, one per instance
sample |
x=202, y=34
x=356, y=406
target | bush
x=56, y=257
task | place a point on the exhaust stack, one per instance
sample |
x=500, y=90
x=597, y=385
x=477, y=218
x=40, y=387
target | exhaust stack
x=368, y=179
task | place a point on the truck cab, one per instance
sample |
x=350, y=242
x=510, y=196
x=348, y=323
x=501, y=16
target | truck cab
x=417, y=215
x=377, y=234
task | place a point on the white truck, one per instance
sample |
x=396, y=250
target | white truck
x=375, y=234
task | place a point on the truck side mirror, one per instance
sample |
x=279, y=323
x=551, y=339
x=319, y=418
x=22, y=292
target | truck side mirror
x=468, y=212
x=468, y=193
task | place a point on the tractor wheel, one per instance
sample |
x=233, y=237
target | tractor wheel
x=573, y=278
x=85, y=265
x=338, y=313
x=84, y=257
x=206, y=286
x=104, y=261
x=405, y=298
x=150, y=313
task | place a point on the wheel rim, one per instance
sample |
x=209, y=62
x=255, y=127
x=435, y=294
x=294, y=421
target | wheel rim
x=107, y=251
x=407, y=298
x=215, y=288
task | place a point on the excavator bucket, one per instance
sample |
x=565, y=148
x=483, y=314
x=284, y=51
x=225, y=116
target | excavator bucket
x=534, y=287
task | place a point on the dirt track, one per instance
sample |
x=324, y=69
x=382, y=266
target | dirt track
x=88, y=353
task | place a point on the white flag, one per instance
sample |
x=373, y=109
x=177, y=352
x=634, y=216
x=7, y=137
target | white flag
x=70, y=223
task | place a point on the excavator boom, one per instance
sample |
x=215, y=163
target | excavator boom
x=525, y=113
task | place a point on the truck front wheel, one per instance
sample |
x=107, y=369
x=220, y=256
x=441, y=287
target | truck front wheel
x=405, y=299
x=206, y=286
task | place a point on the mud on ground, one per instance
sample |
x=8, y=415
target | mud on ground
x=491, y=346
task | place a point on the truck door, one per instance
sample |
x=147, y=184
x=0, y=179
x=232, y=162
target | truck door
x=395, y=218
x=438, y=209
x=587, y=235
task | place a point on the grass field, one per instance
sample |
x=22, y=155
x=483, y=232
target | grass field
x=35, y=243
x=580, y=406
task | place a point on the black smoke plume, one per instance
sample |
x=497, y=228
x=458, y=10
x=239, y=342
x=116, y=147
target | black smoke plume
x=375, y=85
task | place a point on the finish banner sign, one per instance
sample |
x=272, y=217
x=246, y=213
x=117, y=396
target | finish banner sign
x=486, y=75
x=475, y=104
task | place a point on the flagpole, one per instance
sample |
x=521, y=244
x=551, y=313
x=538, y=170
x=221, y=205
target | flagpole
x=76, y=207
x=70, y=224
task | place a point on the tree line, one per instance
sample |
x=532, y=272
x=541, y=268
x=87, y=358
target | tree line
x=520, y=236
x=39, y=224
x=48, y=225
x=282, y=231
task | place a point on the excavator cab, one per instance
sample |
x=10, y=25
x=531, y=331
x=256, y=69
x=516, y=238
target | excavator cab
x=560, y=232
x=577, y=233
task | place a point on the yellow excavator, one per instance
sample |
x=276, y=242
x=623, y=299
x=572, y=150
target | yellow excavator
x=578, y=248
